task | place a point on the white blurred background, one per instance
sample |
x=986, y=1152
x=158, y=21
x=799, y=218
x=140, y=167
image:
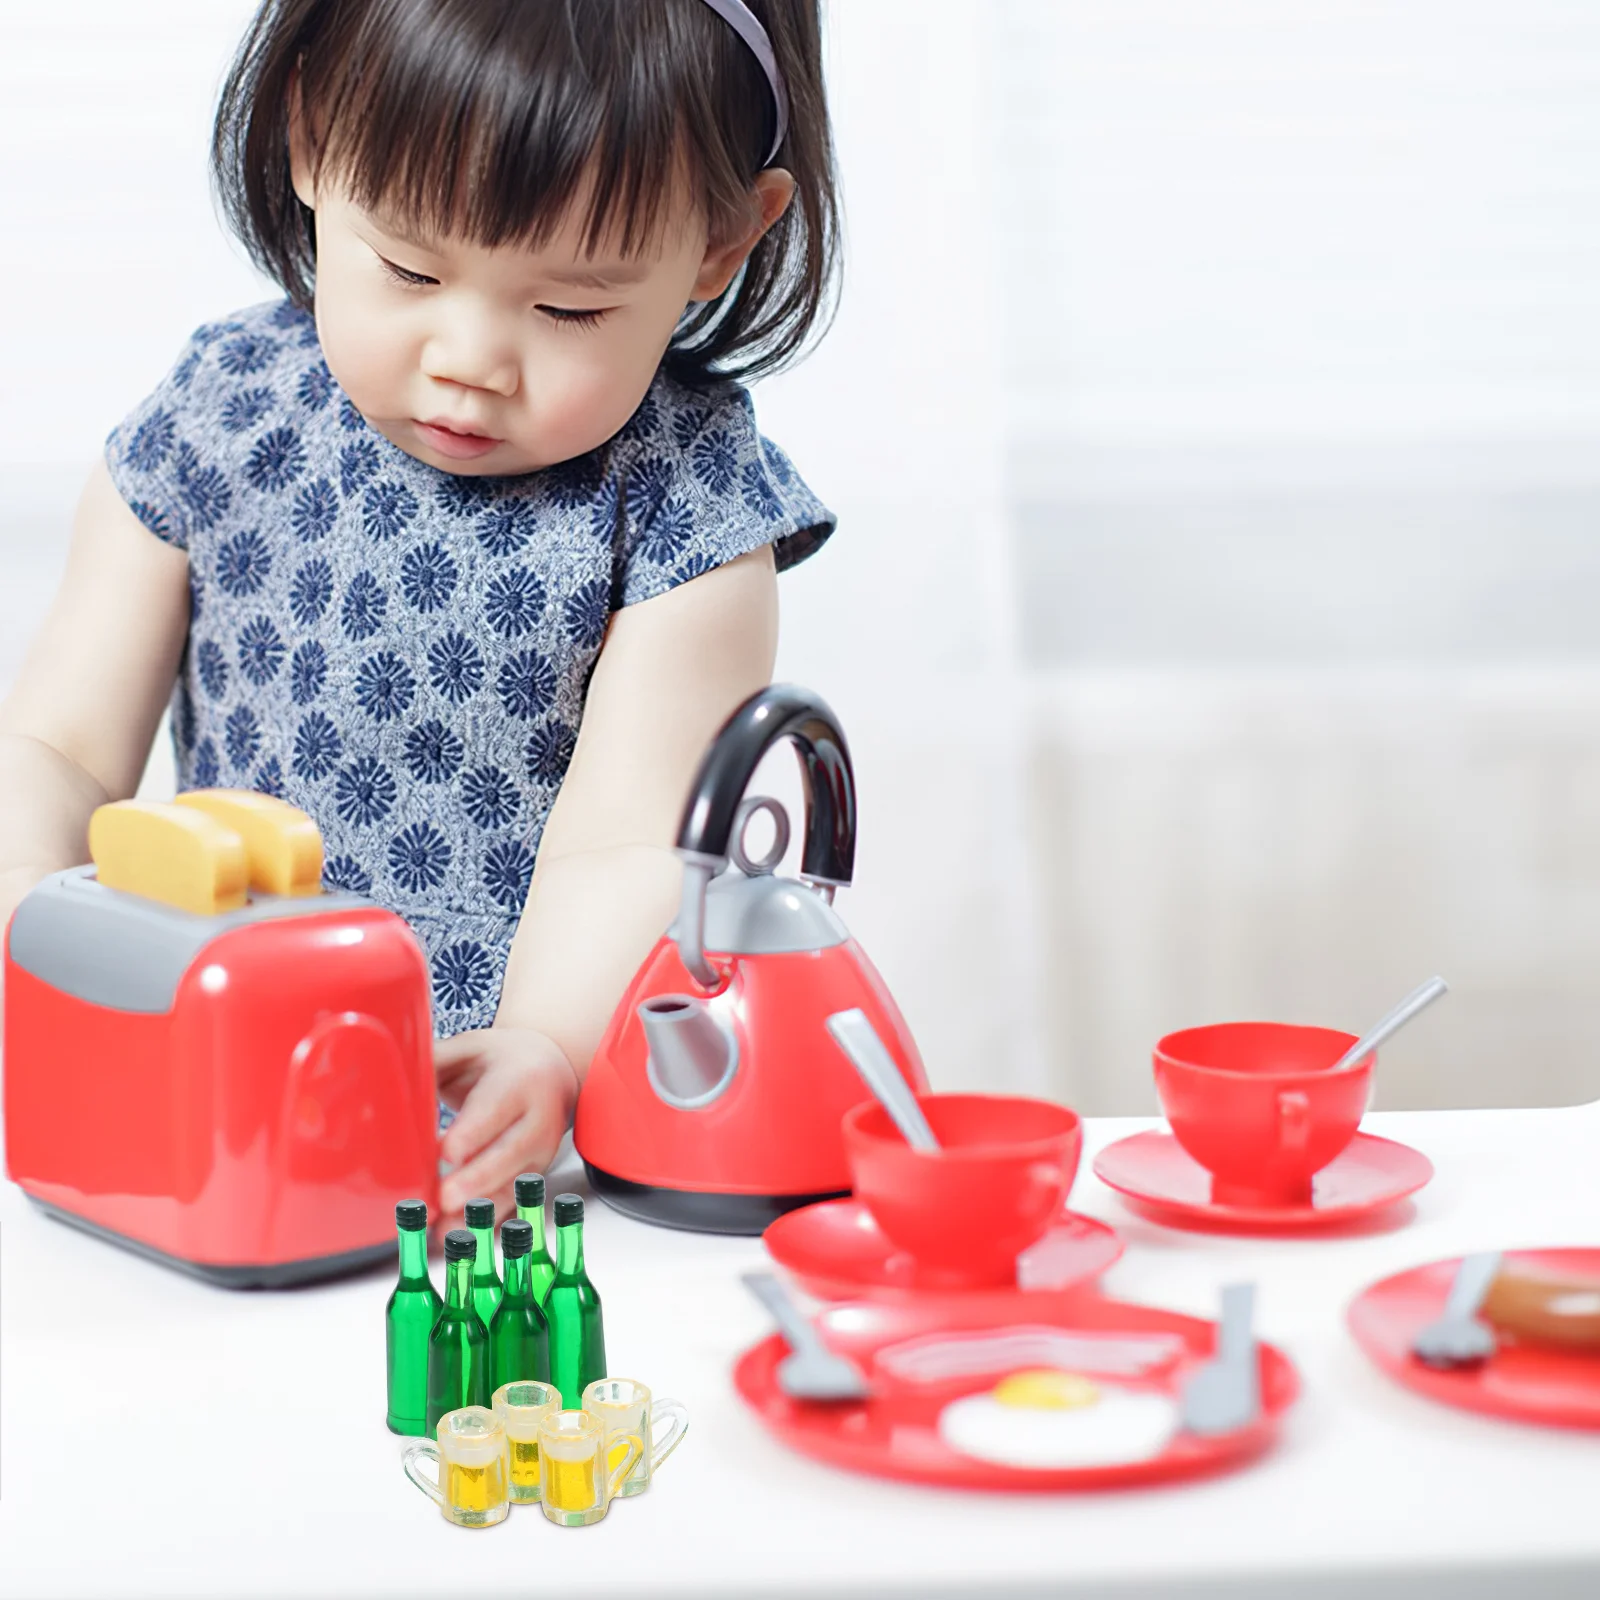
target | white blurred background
x=1213, y=420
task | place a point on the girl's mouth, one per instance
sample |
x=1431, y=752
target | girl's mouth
x=451, y=442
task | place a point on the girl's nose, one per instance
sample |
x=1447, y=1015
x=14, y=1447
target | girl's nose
x=467, y=348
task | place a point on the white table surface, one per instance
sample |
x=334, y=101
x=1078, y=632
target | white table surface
x=161, y=1437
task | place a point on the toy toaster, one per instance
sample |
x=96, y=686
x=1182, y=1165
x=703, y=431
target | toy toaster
x=210, y=1060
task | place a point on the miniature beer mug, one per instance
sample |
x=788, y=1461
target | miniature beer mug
x=624, y=1408
x=578, y=1479
x=472, y=1467
x=521, y=1407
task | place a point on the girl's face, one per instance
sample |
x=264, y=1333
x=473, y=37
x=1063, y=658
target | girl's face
x=504, y=361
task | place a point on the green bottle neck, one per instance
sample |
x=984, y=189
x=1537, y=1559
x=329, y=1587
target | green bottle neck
x=569, y=1250
x=458, y=1285
x=519, y=1285
x=413, y=1255
x=484, y=1265
x=534, y=1217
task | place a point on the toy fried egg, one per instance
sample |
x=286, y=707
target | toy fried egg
x=1046, y=1419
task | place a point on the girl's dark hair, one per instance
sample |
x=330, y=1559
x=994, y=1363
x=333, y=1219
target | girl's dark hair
x=488, y=119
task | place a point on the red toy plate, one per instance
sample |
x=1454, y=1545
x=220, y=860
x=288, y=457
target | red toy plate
x=836, y=1251
x=924, y=1356
x=1155, y=1170
x=1523, y=1382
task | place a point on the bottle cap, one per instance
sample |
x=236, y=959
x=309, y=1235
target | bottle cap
x=516, y=1238
x=480, y=1213
x=460, y=1245
x=530, y=1189
x=412, y=1215
x=569, y=1209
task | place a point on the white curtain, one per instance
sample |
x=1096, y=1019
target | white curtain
x=1303, y=398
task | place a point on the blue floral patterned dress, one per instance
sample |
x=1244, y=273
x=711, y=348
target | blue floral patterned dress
x=404, y=653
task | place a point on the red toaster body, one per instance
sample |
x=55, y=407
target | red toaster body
x=243, y=1096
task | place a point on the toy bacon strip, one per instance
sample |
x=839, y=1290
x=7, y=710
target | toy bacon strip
x=282, y=842
x=1544, y=1308
x=938, y=1358
x=177, y=855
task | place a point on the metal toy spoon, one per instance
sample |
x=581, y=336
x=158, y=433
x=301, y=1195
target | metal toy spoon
x=812, y=1371
x=1414, y=1002
x=1225, y=1394
x=1459, y=1338
x=859, y=1040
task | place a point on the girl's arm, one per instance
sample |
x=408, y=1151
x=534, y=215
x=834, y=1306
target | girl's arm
x=76, y=728
x=606, y=884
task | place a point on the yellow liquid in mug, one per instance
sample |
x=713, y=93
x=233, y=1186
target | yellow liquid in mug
x=475, y=1488
x=524, y=1465
x=572, y=1485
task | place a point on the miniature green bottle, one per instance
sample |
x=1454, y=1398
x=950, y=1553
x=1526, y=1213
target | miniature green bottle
x=458, y=1347
x=519, y=1337
x=485, y=1280
x=577, y=1337
x=530, y=1209
x=408, y=1320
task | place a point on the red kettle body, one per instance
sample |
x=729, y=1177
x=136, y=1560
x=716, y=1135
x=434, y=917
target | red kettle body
x=714, y=1100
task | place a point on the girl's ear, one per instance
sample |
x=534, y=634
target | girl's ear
x=300, y=165
x=770, y=197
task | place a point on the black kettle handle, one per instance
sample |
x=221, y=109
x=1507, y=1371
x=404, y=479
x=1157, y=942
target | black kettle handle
x=783, y=711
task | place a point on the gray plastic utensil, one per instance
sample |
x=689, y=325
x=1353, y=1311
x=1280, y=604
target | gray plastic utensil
x=859, y=1040
x=1225, y=1394
x=1458, y=1338
x=812, y=1371
x=1414, y=1002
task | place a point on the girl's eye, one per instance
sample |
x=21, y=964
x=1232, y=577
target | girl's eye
x=572, y=319
x=401, y=275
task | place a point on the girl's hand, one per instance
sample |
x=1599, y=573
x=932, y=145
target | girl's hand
x=513, y=1091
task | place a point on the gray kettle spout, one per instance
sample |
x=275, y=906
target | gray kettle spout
x=692, y=1054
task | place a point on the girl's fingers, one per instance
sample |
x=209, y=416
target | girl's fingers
x=501, y=1097
x=494, y=1102
x=454, y=1057
x=491, y=1170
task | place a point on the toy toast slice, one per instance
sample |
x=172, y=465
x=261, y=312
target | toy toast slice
x=174, y=854
x=282, y=843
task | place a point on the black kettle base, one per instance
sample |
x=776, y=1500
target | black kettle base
x=693, y=1212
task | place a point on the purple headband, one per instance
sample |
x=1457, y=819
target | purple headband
x=743, y=21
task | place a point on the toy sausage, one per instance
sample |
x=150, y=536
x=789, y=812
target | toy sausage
x=1559, y=1311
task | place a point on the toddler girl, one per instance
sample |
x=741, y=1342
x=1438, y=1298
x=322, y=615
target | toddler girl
x=467, y=546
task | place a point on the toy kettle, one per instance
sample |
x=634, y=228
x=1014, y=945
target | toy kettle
x=714, y=1100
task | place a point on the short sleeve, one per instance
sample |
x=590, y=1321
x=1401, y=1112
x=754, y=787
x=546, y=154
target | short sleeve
x=151, y=458
x=698, y=486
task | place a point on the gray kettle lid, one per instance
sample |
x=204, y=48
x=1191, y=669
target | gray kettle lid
x=766, y=915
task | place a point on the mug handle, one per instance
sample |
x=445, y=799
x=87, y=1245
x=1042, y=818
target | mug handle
x=408, y=1459
x=1294, y=1119
x=635, y=1450
x=677, y=1416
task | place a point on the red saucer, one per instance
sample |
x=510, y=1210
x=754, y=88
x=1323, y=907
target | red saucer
x=1369, y=1174
x=835, y=1251
x=903, y=1349
x=1524, y=1382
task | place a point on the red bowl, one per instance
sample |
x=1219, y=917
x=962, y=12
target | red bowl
x=1255, y=1104
x=967, y=1210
